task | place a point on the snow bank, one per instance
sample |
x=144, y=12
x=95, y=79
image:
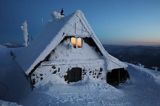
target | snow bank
x=140, y=90
x=13, y=82
x=5, y=103
x=89, y=93
x=155, y=75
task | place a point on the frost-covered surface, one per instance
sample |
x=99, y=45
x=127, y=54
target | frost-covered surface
x=5, y=103
x=113, y=63
x=152, y=73
x=66, y=52
x=65, y=57
x=54, y=32
x=13, y=82
x=48, y=71
x=57, y=15
x=80, y=94
x=24, y=28
x=28, y=57
x=142, y=89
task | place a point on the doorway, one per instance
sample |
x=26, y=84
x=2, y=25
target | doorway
x=117, y=76
x=73, y=75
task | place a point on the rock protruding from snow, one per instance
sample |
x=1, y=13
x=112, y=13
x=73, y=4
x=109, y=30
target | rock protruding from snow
x=24, y=28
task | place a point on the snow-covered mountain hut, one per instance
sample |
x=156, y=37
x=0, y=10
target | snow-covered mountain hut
x=69, y=49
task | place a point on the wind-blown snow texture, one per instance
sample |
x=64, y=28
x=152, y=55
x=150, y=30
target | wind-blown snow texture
x=142, y=89
x=5, y=103
x=13, y=82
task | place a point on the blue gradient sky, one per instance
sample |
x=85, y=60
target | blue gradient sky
x=126, y=22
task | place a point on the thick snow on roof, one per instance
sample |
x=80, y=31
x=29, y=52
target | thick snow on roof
x=113, y=63
x=26, y=56
x=51, y=36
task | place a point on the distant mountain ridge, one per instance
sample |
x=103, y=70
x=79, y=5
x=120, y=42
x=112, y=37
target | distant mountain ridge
x=149, y=56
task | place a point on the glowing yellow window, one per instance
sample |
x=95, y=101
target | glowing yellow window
x=79, y=42
x=74, y=41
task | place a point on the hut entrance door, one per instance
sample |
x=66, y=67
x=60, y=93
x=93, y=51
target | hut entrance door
x=74, y=75
x=117, y=76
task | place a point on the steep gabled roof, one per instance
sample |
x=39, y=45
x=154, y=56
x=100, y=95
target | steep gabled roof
x=54, y=32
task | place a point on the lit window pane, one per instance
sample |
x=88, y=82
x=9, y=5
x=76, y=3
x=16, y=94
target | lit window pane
x=73, y=41
x=79, y=42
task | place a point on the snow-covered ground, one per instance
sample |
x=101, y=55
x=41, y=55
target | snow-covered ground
x=4, y=103
x=13, y=82
x=143, y=88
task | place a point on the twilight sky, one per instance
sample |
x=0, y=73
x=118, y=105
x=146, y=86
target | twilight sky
x=125, y=22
